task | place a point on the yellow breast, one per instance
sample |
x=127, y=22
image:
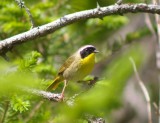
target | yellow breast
x=87, y=64
x=85, y=68
x=80, y=68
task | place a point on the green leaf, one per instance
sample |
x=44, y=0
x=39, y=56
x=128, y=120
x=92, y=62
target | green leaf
x=18, y=104
x=30, y=61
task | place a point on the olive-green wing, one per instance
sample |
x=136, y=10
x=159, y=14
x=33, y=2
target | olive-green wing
x=67, y=63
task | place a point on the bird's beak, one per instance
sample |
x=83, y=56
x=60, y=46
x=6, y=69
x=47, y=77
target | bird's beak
x=96, y=51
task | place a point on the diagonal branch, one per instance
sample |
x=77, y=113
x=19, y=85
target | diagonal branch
x=157, y=109
x=43, y=30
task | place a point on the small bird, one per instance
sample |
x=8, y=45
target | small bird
x=75, y=68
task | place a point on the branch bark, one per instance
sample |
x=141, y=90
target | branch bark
x=7, y=44
x=44, y=94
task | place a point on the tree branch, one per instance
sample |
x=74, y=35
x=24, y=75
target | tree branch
x=44, y=94
x=43, y=30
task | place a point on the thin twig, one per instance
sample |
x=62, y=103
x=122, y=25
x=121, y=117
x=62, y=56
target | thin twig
x=144, y=90
x=30, y=16
x=149, y=24
x=156, y=108
x=5, y=57
x=22, y=5
x=46, y=29
x=157, y=17
x=5, y=112
x=119, y=2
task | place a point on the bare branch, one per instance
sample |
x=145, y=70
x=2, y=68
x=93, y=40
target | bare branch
x=144, y=90
x=43, y=30
x=157, y=18
x=30, y=16
x=156, y=108
x=44, y=94
x=149, y=24
x=119, y=2
x=22, y=5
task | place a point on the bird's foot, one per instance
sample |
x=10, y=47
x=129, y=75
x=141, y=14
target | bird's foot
x=61, y=98
x=62, y=95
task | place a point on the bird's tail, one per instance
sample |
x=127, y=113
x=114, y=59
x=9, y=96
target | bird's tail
x=54, y=84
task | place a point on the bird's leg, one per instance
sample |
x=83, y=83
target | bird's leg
x=65, y=84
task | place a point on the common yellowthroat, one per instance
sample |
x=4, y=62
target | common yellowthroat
x=76, y=67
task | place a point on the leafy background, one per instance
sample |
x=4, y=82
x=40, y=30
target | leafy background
x=116, y=97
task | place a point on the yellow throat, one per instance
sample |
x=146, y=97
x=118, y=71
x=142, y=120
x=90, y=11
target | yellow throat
x=87, y=65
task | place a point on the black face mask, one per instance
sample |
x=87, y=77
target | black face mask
x=88, y=50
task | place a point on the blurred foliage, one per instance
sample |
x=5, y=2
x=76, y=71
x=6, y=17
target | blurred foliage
x=19, y=104
x=135, y=35
x=103, y=95
x=34, y=64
